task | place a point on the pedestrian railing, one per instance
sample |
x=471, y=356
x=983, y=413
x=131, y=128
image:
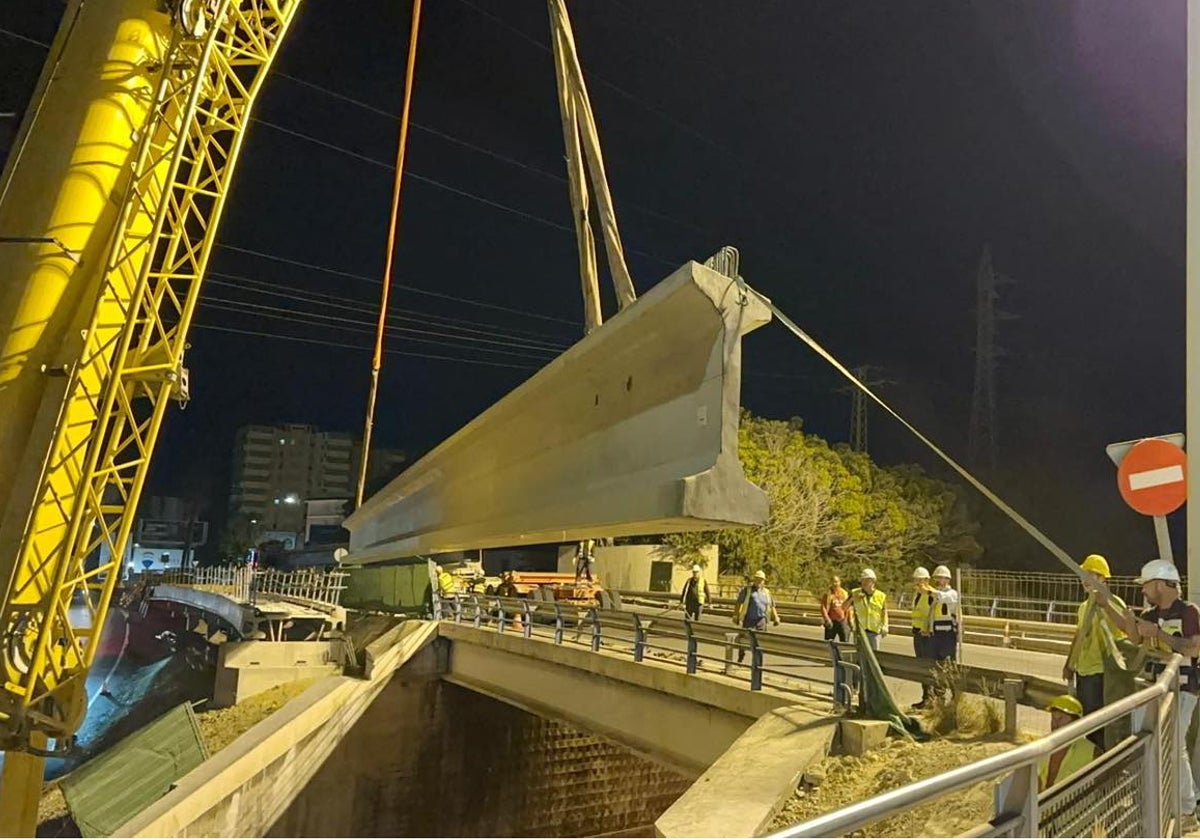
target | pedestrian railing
x=759, y=657
x=1131, y=790
x=763, y=658
x=232, y=581
x=978, y=629
x=309, y=586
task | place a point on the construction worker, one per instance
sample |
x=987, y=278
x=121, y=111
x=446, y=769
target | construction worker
x=835, y=615
x=584, y=556
x=870, y=608
x=1168, y=626
x=446, y=587
x=944, y=623
x=508, y=586
x=922, y=635
x=695, y=594
x=1085, y=659
x=755, y=607
x=1069, y=760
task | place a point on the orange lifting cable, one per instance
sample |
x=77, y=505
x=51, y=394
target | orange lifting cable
x=377, y=358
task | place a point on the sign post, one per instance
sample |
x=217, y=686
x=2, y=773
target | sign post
x=1152, y=479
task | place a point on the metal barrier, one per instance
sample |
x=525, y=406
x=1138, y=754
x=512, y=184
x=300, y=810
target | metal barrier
x=1129, y=791
x=241, y=583
x=233, y=581
x=978, y=629
x=768, y=659
x=310, y=586
x=747, y=654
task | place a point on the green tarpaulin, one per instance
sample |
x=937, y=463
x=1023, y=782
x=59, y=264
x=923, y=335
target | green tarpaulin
x=114, y=787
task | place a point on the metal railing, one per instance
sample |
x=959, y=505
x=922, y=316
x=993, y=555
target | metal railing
x=233, y=581
x=978, y=629
x=309, y=586
x=760, y=658
x=1129, y=791
x=242, y=583
x=763, y=658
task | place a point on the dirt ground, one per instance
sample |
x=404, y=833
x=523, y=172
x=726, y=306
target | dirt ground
x=897, y=762
x=221, y=727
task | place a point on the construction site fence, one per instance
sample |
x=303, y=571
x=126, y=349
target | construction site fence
x=1025, y=596
x=1131, y=790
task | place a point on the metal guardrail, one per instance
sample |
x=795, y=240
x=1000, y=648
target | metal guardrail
x=977, y=629
x=1129, y=791
x=232, y=581
x=764, y=654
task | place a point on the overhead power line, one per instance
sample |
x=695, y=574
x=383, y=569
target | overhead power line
x=483, y=150
x=414, y=289
x=263, y=287
x=532, y=217
x=24, y=38
x=337, y=322
x=360, y=348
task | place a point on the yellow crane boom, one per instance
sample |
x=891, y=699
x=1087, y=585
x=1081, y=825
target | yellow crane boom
x=108, y=212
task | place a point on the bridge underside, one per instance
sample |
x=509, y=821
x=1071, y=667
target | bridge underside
x=631, y=431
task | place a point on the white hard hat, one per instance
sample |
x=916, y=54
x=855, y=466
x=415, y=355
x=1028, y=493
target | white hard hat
x=696, y=568
x=867, y=574
x=760, y=574
x=941, y=571
x=438, y=569
x=1159, y=570
x=921, y=573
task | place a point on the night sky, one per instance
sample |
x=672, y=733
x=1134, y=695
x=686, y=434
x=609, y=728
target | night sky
x=859, y=154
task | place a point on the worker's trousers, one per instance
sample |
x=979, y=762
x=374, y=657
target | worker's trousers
x=1187, y=763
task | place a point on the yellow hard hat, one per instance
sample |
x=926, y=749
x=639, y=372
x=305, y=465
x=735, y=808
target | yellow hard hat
x=1096, y=563
x=1066, y=703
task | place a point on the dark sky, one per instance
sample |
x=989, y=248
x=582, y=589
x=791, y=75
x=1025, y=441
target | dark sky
x=860, y=156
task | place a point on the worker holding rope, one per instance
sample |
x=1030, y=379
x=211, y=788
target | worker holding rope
x=1085, y=659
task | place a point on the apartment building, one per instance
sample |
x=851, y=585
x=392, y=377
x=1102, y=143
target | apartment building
x=277, y=469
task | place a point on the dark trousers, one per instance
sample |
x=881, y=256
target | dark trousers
x=1090, y=691
x=839, y=630
x=923, y=649
x=693, y=610
x=761, y=624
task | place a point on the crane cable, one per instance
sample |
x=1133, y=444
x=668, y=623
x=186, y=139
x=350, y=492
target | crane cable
x=1057, y=551
x=398, y=179
x=583, y=156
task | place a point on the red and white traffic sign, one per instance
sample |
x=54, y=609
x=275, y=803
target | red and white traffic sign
x=1152, y=477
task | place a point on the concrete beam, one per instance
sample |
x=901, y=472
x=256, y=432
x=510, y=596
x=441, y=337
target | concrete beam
x=631, y=431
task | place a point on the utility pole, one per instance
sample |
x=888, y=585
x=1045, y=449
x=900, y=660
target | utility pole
x=1192, y=305
x=982, y=433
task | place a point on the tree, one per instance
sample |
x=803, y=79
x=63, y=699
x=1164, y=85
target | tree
x=834, y=510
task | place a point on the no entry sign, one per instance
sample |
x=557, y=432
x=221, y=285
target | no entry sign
x=1152, y=477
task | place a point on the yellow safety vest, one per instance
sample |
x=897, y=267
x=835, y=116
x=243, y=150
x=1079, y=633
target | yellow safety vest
x=1079, y=755
x=698, y=587
x=920, y=610
x=1089, y=655
x=446, y=584
x=870, y=609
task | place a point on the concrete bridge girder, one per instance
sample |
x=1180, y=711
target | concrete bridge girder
x=631, y=431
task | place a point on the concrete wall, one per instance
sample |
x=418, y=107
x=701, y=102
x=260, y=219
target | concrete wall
x=244, y=789
x=660, y=712
x=430, y=759
x=629, y=566
x=248, y=668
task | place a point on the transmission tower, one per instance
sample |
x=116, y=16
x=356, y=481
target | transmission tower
x=982, y=435
x=859, y=403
